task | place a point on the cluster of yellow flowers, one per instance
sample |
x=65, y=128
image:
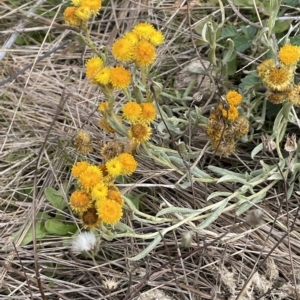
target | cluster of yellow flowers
x=79, y=14
x=225, y=126
x=98, y=199
x=136, y=46
x=279, y=79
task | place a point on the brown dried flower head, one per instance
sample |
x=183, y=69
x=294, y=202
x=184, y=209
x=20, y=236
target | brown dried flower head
x=83, y=142
x=291, y=143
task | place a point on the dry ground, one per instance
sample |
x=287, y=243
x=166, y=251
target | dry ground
x=42, y=109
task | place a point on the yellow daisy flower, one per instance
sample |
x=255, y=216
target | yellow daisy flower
x=122, y=50
x=128, y=162
x=140, y=132
x=93, y=65
x=83, y=13
x=90, y=177
x=80, y=201
x=157, y=38
x=76, y=2
x=279, y=79
x=264, y=68
x=109, y=211
x=102, y=106
x=99, y=191
x=90, y=218
x=131, y=37
x=93, y=5
x=114, y=167
x=144, y=53
x=120, y=77
x=102, y=77
x=148, y=112
x=231, y=114
x=132, y=111
x=289, y=54
x=70, y=16
x=79, y=168
x=115, y=195
x=143, y=30
x=234, y=98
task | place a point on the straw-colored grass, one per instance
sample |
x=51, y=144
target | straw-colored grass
x=41, y=111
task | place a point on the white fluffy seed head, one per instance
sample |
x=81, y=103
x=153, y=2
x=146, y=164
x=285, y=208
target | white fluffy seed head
x=84, y=242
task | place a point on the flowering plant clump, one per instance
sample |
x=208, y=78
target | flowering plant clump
x=225, y=126
x=278, y=78
x=98, y=201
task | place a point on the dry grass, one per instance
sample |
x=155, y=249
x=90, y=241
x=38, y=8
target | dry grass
x=220, y=257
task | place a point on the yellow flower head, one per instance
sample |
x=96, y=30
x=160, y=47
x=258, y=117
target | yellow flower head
x=80, y=201
x=99, y=191
x=131, y=37
x=230, y=114
x=144, y=54
x=83, y=13
x=76, y=2
x=148, y=112
x=140, y=132
x=264, y=68
x=115, y=195
x=234, y=98
x=104, y=125
x=103, y=169
x=289, y=54
x=93, y=5
x=294, y=95
x=90, y=218
x=102, y=77
x=70, y=16
x=132, y=111
x=109, y=211
x=129, y=164
x=279, y=79
x=79, y=168
x=120, y=77
x=102, y=106
x=122, y=50
x=143, y=30
x=114, y=167
x=90, y=177
x=93, y=65
x=157, y=38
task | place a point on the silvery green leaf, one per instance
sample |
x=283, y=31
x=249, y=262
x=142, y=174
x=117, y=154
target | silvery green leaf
x=218, y=194
x=256, y=150
x=275, y=176
x=223, y=172
x=123, y=227
x=201, y=174
x=246, y=205
x=147, y=250
x=231, y=178
x=290, y=190
x=172, y=210
x=213, y=216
